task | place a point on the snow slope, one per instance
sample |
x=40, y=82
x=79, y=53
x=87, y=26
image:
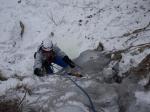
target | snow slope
x=77, y=25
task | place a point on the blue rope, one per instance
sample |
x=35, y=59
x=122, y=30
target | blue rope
x=91, y=103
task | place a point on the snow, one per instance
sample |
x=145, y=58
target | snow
x=143, y=97
x=77, y=25
x=10, y=83
x=69, y=108
x=67, y=95
x=72, y=38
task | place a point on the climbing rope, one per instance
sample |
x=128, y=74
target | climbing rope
x=91, y=103
x=90, y=100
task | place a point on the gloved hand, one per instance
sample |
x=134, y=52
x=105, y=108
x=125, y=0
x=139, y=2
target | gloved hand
x=69, y=61
x=38, y=72
x=117, y=79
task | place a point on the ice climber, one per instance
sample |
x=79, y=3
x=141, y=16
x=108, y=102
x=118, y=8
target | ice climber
x=47, y=54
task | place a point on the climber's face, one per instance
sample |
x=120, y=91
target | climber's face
x=48, y=55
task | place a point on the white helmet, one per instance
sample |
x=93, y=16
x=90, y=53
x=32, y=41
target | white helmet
x=47, y=45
